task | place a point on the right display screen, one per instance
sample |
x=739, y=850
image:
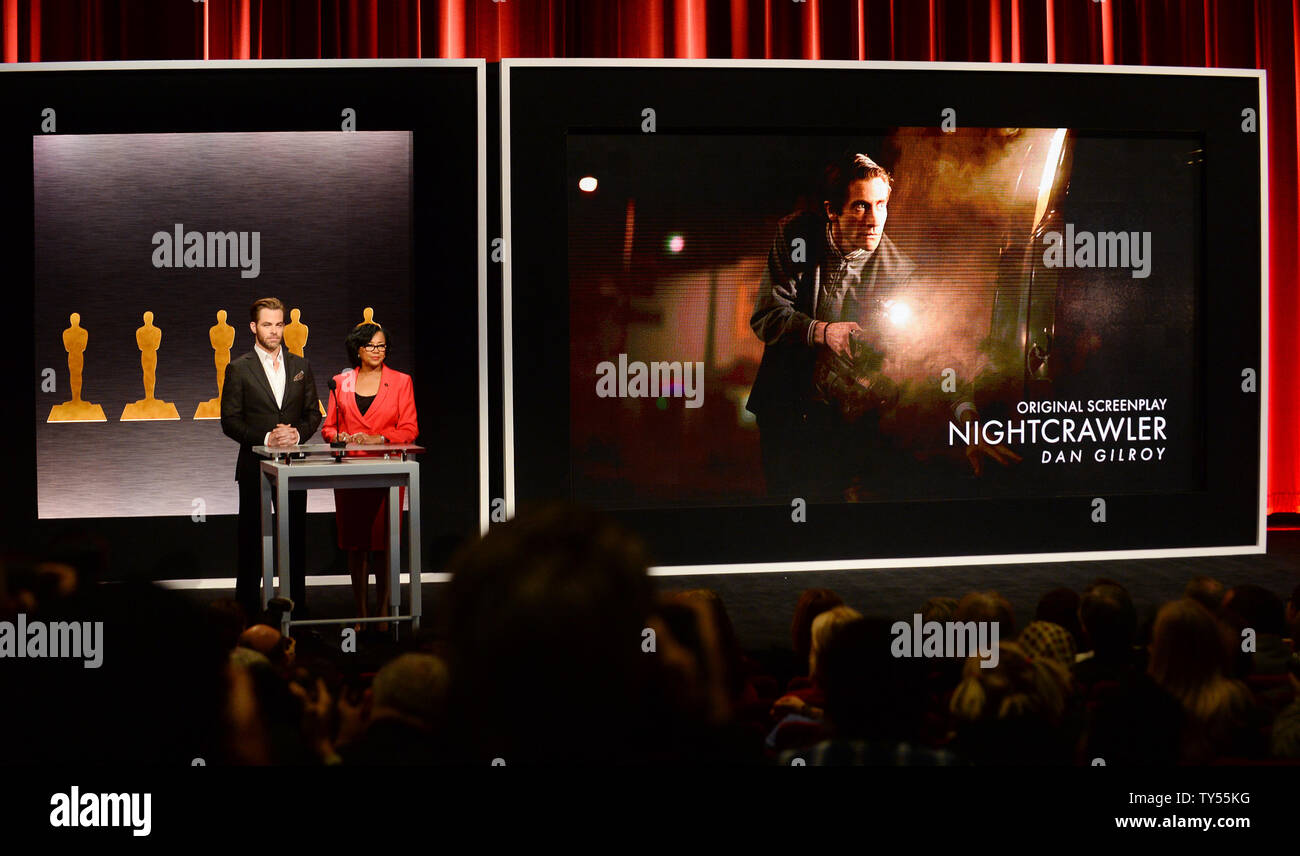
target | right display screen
x=825, y=316
x=898, y=314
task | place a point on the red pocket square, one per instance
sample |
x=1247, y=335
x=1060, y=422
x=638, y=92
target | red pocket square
x=298, y=376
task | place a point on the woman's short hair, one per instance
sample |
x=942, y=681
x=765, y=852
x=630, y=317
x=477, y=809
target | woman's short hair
x=824, y=627
x=361, y=335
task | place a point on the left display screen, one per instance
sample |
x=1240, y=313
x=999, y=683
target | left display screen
x=149, y=249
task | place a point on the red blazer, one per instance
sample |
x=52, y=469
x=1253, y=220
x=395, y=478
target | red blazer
x=391, y=414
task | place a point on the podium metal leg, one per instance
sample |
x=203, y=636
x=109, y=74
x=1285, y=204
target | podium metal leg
x=413, y=494
x=268, y=538
x=394, y=553
x=282, y=533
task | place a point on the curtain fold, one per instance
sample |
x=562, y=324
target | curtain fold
x=1206, y=33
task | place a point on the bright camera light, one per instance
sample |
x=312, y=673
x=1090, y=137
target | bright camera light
x=899, y=312
x=587, y=184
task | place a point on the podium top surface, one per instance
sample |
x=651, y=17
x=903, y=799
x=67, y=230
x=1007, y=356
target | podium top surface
x=325, y=450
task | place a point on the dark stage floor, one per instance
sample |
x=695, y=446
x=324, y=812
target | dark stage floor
x=760, y=605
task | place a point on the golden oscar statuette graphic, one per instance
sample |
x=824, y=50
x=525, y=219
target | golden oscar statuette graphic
x=148, y=338
x=295, y=339
x=76, y=410
x=367, y=317
x=222, y=337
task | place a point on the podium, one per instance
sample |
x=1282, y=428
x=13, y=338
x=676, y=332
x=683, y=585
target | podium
x=355, y=465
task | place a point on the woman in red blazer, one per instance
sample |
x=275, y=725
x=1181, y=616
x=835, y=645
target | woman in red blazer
x=370, y=404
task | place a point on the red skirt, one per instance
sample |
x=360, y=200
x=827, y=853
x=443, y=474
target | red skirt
x=362, y=515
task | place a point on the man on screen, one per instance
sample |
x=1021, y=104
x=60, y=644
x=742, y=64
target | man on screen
x=826, y=276
x=268, y=399
x=830, y=305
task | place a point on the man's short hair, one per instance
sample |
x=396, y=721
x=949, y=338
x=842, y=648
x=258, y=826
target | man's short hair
x=847, y=169
x=551, y=605
x=414, y=685
x=1109, y=619
x=261, y=303
x=1061, y=606
x=1207, y=591
x=939, y=609
x=988, y=606
x=1260, y=608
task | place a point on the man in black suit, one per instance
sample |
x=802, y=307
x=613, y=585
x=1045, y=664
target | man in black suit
x=269, y=399
x=832, y=302
x=830, y=275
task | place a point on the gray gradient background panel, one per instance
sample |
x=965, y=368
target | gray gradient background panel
x=334, y=213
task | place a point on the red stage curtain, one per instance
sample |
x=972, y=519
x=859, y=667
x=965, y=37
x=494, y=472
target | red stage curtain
x=1220, y=33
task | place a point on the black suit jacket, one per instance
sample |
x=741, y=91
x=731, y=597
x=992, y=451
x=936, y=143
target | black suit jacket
x=248, y=409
